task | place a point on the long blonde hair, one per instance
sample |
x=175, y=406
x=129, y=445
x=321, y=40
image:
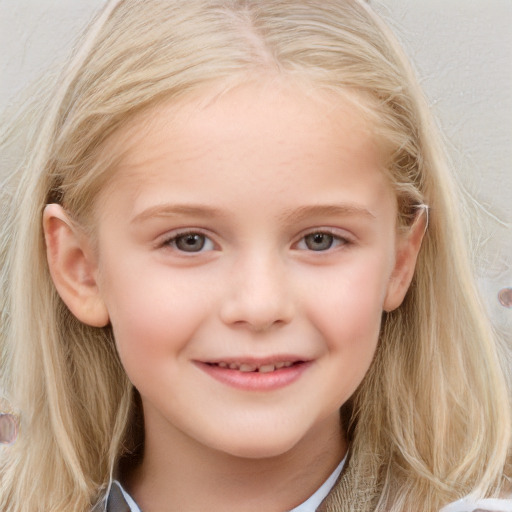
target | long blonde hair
x=431, y=420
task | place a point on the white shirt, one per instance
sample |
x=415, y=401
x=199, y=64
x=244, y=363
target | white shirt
x=470, y=504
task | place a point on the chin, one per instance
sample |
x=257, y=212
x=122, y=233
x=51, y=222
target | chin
x=257, y=448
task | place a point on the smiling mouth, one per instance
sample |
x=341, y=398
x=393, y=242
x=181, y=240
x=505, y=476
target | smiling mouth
x=255, y=368
x=257, y=375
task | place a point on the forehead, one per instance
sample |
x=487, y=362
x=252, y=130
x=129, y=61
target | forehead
x=264, y=134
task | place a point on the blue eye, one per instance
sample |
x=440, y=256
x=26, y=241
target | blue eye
x=190, y=242
x=320, y=241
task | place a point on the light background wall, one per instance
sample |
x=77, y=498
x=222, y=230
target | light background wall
x=462, y=50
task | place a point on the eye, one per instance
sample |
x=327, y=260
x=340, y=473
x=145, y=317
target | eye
x=320, y=241
x=190, y=242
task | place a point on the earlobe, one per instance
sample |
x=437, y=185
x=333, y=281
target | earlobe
x=73, y=267
x=408, y=248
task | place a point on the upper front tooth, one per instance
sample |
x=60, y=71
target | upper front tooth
x=245, y=367
x=248, y=367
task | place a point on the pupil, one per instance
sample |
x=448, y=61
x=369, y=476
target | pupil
x=319, y=241
x=190, y=243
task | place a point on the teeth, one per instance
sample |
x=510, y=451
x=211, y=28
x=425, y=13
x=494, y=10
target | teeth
x=248, y=367
x=266, y=368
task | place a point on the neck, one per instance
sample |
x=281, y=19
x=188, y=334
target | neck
x=178, y=473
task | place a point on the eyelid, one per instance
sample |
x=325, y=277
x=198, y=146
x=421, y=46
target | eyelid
x=337, y=233
x=166, y=240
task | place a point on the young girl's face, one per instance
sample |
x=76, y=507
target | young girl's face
x=246, y=250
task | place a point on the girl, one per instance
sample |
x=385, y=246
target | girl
x=223, y=288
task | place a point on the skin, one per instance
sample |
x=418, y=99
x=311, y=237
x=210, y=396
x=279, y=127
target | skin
x=298, y=256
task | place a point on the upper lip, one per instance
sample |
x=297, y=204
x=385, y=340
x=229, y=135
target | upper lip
x=257, y=361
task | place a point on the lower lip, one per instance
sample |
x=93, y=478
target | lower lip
x=256, y=381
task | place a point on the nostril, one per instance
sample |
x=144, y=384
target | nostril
x=256, y=319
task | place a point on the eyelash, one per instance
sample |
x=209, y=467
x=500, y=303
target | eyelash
x=334, y=241
x=174, y=240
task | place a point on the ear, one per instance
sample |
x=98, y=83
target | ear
x=407, y=250
x=73, y=267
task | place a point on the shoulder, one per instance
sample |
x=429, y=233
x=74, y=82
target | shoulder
x=346, y=495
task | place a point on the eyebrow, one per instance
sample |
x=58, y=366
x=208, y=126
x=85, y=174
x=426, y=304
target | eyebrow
x=171, y=210
x=292, y=214
x=326, y=210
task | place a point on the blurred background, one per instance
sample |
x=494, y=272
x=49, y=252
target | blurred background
x=462, y=50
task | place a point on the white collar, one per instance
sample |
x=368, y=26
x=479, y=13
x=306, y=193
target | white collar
x=313, y=502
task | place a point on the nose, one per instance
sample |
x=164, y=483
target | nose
x=258, y=295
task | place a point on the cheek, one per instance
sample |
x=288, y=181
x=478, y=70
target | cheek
x=347, y=308
x=153, y=316
x=349, y=321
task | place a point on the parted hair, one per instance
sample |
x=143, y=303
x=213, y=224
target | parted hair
x=430, y=422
